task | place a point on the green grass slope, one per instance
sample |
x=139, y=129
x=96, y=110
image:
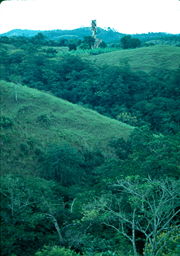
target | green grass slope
x=32, y=120
x=142, y=59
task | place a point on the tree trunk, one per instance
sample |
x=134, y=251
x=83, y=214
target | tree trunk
x=133, y=234
x=56, y=225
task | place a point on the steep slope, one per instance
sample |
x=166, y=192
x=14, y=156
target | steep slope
x=142, y=59
x=32, y=120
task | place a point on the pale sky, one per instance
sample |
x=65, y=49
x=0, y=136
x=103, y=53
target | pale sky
x=125, y=16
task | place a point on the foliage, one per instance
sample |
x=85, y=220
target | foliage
x=75, y=181
x=55, y=251
x=127, y=118
x=129, y=42
x=6, y=122
x=145, y=59
x=147, y=206
x=149, y=154
x=87, y=43
x=147, y=98
x=42, y=121
x=169, y=242
x=26, y=206
x=63, y=163
x=72, y=47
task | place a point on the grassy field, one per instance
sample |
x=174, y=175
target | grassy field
x=142, y=59
x=32, y=120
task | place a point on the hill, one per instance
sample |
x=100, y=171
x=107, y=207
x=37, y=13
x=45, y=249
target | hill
x=32, y=120
x=79, y=33
x=107, y=35
x=142, y=59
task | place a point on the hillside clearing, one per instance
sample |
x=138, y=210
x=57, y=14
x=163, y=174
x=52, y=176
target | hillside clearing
x=38, y=119
x=142, y=59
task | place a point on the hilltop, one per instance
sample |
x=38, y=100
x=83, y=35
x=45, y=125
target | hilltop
x=107, y=35
x=37, y=120
x=142, y=59
x=79, y=33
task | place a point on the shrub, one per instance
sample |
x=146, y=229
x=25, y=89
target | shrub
x=55, y=251
x=64, y=164
x=6, y=122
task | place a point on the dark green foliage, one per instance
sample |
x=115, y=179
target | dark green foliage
x=109, y=35
x=38, y=39
x=148, y=154
x=63, y=163
x=63, y=42
x=87, y=43
x=45, y=120
x=103, y=45
x=55, y=251
x=25, y=205
x=51, y=52
x=6, y=122
x=78, y=203
x=72, y=47
x=135, y=98
x=129, y=42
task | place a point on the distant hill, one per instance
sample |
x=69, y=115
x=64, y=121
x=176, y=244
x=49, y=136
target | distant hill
x=79, y=33
x=142, y=59
x=109, y=35
x=21, y=32
x=37, y=120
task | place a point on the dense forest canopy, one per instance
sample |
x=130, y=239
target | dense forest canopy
x=78, y=183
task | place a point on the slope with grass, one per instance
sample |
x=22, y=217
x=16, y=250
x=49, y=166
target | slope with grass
x=32, y=120
x=142, y=59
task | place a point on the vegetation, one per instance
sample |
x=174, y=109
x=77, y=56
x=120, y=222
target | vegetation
x=33, y=113
x=148, y=98
x=129, y=42
x=78, y=182
x=146, y=59
x=109, y=35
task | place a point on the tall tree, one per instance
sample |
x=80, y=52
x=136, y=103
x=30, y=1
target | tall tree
x=147, y=207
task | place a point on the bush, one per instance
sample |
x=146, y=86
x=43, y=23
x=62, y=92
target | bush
x=127, y=118
x=129, y=42
x=64, y=164
x=6, y=122
x=55, y=251
x=72, y=47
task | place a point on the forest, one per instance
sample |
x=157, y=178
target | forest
x=90, y=147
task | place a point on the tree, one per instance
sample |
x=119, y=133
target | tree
x=135, y=42
x=63, y=42
x=55, y=251
x=30, y=208
x=144, y=208
x=125, y=42
x=129, y=42
x=88, y=42
x=63, y=164
x=72, y=46
x=38, y=39
x=103, y=45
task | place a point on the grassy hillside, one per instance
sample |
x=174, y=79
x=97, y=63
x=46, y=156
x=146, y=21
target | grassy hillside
x=36, y=120
x=144, y=59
